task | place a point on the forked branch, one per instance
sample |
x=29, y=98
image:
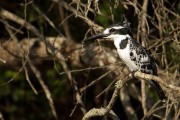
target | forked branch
x=119, y=84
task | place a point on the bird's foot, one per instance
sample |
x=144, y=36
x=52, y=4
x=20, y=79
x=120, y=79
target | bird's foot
x=131, y=75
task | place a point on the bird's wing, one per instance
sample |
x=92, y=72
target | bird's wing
x=147, y=65
x=144, y=60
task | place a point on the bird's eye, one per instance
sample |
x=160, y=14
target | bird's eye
x=112, y=30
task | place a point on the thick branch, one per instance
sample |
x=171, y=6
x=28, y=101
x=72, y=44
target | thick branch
x=105, y=111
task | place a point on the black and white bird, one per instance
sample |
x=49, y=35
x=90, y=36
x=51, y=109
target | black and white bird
x=135, y=56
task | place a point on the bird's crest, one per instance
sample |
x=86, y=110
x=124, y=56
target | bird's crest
x=124, y=22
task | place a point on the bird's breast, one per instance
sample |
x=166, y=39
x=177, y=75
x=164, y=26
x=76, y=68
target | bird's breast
x=124, y=54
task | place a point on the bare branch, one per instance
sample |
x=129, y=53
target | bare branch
x=44, y=86
x=104, y=111
x=8, y=15
x=155, y=78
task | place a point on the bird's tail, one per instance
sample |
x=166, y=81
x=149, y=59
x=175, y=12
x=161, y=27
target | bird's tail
x=158, y=89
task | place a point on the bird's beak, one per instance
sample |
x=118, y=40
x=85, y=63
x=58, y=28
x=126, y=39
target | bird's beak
x=98, y=36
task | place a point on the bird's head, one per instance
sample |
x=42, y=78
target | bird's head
x=120, y=30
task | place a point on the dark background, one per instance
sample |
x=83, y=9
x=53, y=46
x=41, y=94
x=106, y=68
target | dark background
x=155, y=25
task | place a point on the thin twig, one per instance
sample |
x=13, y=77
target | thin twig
x=14, y=75
x=107, y=88
x=29, y=81
x=128, y=107
x=95, y=81
x=44, y=86
x=8, y=15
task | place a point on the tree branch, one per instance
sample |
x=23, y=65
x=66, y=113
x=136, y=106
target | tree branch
x=105, y=111
x=119, y=84
x=155, y=78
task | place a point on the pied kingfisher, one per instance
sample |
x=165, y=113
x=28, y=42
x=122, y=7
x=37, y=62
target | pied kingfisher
x=135, y=56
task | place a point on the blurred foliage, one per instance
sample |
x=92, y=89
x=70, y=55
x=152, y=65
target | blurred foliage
x=18, y=100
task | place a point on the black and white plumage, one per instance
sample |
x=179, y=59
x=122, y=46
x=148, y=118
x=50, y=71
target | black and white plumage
x=132, y=53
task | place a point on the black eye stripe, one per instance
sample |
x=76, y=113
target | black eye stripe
x=112, y=30
x=121, y=31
